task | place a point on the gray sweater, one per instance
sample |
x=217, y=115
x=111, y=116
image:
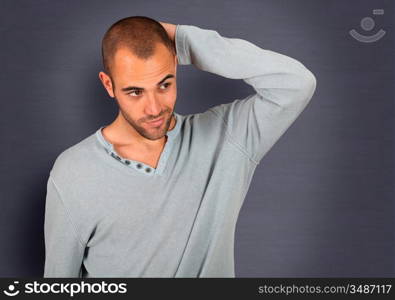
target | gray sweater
x=109, y=216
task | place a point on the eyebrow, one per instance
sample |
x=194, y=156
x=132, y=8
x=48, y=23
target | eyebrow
x=132, y=88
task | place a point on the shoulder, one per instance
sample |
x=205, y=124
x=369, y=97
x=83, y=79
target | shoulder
x=206, y=128
x=71, y=162
x=207, y=122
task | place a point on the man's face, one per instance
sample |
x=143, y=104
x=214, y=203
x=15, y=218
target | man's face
x=145, y=90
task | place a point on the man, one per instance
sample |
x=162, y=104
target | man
x=156, y=193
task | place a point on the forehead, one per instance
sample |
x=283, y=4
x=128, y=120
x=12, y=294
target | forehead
x=127, y=68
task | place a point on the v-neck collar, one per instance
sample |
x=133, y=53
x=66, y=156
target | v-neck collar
x=138, y=165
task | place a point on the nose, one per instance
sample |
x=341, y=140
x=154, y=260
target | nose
x=153, y=106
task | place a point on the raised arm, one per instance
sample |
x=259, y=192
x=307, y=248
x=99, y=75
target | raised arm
x=283, y=86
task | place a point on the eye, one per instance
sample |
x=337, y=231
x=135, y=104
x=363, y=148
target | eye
x=135, y=91
x=166, y=84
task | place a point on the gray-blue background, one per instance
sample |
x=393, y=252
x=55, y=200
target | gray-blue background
x=322, y=200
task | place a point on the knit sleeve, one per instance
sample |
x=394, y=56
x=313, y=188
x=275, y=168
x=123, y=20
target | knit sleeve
x=283, y=86
x=63, y=248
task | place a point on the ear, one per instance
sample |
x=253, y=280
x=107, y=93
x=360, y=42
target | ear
x=106, y=81
x=175, y=64
x=175, y=60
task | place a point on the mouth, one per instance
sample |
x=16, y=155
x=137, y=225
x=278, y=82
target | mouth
x=156, y=123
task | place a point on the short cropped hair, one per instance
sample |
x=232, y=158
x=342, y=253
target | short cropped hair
x=139, y=34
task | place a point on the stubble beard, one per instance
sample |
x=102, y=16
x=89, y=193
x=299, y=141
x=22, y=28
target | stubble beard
x=152, y=133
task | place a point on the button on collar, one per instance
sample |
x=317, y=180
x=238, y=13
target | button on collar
x=115, y=156
x=145, y=169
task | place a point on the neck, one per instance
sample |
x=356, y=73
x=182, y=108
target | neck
x=120, y=133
